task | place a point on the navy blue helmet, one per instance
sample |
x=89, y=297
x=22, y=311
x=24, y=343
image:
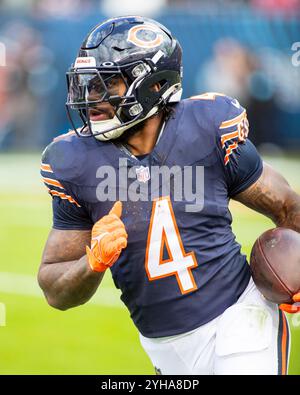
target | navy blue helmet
x=139, y=51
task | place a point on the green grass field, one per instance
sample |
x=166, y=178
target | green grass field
x=99, y=337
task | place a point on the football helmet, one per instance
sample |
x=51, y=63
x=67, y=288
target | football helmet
x=139, y=51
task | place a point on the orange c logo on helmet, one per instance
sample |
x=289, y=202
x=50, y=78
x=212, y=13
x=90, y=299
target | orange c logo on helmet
x=151, y=38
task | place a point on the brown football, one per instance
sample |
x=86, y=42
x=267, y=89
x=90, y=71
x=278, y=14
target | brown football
x=275, y=264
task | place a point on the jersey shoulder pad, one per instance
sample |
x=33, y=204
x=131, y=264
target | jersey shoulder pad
x=230, y=115
x=232, y=126
x=225, y=117
x=222, y=110
x=65, y=157
x=215, y=110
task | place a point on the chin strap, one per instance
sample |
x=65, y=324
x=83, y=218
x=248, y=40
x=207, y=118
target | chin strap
x=114, y=127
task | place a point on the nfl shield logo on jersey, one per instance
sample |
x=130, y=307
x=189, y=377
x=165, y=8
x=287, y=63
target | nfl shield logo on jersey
x=143, y=174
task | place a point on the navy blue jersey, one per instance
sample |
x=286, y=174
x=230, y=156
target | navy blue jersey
x=182, y=266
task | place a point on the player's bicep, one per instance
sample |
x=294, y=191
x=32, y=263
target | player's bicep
x=270, y=195
x=65, y=245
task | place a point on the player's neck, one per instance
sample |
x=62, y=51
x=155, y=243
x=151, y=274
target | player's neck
x=143, y=141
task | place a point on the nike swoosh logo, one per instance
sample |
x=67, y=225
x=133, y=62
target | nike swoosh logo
x=235, y=103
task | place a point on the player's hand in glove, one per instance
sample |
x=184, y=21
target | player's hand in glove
x=109, y=237
x=292, y=308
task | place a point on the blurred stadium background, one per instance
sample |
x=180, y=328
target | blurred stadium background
x=247, y=49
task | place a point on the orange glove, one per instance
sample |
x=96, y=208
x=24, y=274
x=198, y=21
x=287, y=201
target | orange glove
x=291, y=308
x=109, y=237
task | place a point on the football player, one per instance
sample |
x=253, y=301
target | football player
x=182, y=275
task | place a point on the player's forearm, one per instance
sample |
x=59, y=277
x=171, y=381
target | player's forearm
x=68, y=284
x=290, y=214
x=272, y=196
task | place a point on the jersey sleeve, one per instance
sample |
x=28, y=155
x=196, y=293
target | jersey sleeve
x=68, y=212
x=241, y=162
x=244, y=169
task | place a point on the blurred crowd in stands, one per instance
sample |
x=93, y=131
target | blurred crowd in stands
x=61, y=8
x=246, y=54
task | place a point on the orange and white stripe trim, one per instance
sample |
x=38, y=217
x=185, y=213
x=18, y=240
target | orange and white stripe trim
x=233, y=121
x=228, y=136
x=55, y=183
x=229, y=151
x=47, y=168
x=63, y=196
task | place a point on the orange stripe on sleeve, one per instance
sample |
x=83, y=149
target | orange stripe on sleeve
x=55, y=183
x=228, y=136
x=233, y=121
x=46, y=167
x=63, y=196
x=229, y=151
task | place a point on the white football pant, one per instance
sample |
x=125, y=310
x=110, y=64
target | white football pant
x=250, y=337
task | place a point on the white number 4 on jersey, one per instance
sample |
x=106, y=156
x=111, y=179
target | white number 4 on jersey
x=163, y=231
